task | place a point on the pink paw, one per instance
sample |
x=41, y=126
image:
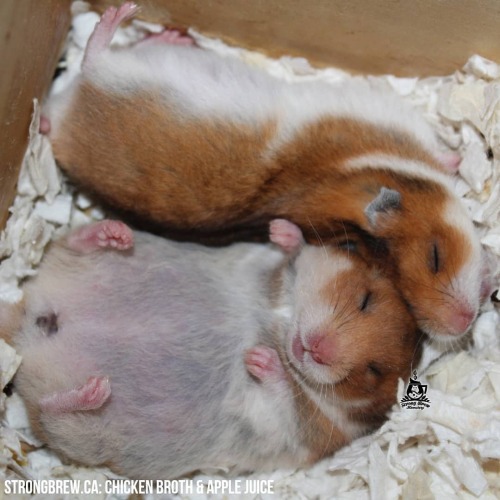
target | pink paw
x=114, y=234
x=264, y=364
x=172, y=37
x=285, y=234
x=107, y=233
x=105, y=29
x=90, y=396
x=112, y=18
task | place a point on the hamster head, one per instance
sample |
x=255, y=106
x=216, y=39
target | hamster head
x=439, y=257
x=352, y=336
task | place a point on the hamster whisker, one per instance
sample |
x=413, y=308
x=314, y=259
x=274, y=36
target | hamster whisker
x=318, y=236
x=416, y=352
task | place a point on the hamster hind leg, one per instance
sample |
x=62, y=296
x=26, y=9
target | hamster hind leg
x=104, y=234
x=90, y=396
x=105, y=29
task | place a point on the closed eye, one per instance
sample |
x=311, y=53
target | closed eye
x=366, y=301
x=435, y=259
x=375, y=369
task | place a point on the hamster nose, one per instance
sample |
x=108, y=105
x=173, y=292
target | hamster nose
x=318, y=358
x=323, y=348
x=462, y=319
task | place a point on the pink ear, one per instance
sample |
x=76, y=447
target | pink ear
x=450, y=161
x=286, y=235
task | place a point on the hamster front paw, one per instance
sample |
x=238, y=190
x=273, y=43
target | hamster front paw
x=264, y=364
x=286, y=235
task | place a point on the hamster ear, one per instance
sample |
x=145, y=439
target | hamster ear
x=383, y=208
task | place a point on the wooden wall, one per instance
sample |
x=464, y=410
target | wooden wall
x=31, y=34
x=402, y=37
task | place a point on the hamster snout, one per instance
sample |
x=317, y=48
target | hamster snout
x=324, y=349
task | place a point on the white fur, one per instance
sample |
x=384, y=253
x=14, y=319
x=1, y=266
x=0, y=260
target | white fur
x=204, y=84
x=310, y=310
x=198, y=82
x=57, y=106
x=334, y=411
x=270, y=409
x=466, y=283
x=303, y=103
x=408, y=168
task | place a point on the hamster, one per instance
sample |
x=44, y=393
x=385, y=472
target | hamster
x=160, y=358
x=206, y=144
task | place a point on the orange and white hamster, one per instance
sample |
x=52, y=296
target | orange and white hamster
x=159, y=358
x=207, y=144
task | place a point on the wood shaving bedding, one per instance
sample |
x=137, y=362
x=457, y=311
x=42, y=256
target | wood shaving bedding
x=450, y=449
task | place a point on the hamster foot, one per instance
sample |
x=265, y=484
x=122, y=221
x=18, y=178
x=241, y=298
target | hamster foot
x=172, y=37
x=105, y=29
x=107, y=233
x=90, y=396
x=285, y=234
x=264, y=364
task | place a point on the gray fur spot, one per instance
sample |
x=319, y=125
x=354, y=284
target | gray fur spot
x=48, y=324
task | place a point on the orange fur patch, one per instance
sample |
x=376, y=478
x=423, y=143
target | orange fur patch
x=318, y=433
x=384, y=336
x=140, y=154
